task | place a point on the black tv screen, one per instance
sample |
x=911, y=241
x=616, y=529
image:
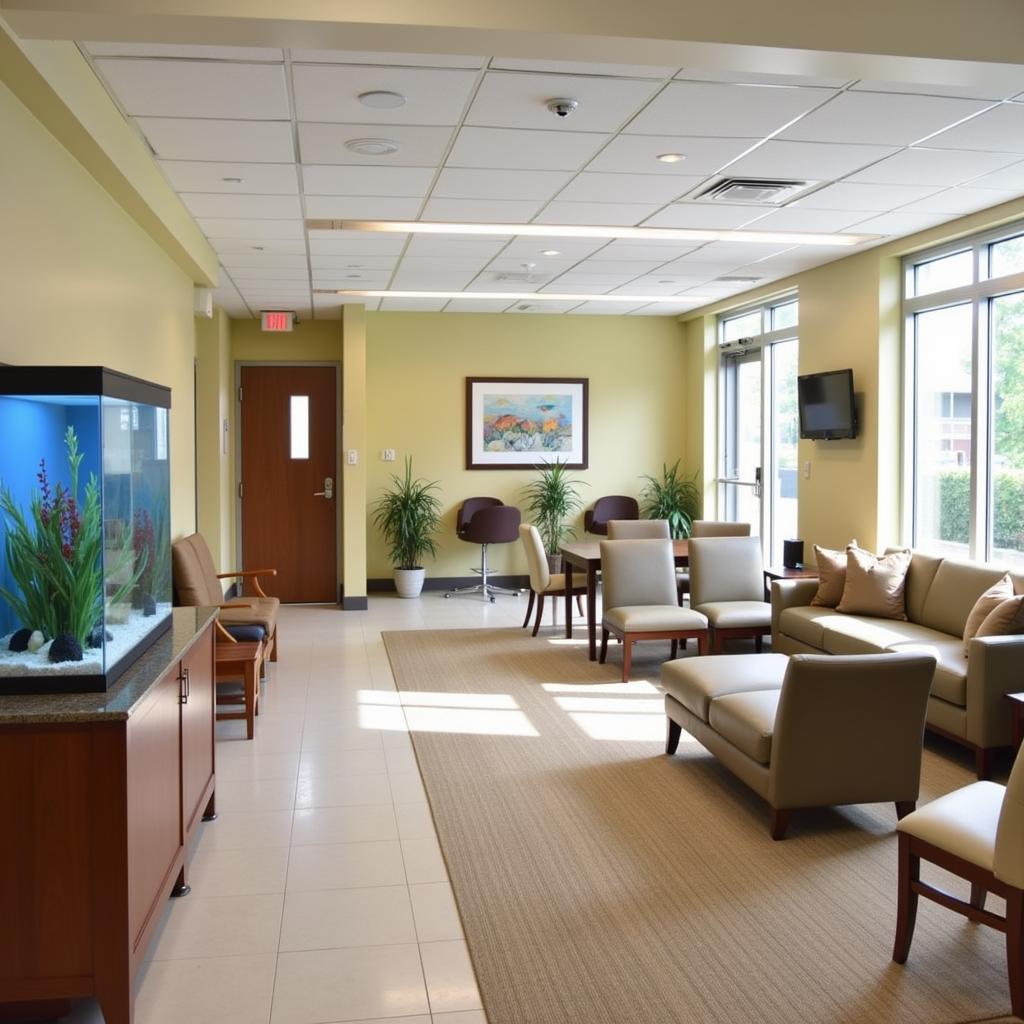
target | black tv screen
x=827, y=408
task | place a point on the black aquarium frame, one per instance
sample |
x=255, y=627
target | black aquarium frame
x=100, y=382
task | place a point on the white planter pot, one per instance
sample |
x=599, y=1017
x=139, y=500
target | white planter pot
x=409, y=582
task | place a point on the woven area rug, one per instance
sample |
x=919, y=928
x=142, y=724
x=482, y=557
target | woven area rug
x=601, y=882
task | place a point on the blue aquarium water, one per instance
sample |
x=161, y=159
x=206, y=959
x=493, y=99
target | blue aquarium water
x=85, y=567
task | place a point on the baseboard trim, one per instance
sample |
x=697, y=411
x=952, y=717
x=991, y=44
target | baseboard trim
x=384, y=586
x=354, y=604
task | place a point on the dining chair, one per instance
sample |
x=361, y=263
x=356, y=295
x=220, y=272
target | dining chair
x=543, y=581
x=708, y=528
x=976, y=833
x=638, y=529
x=640, y=599
x=727, y=586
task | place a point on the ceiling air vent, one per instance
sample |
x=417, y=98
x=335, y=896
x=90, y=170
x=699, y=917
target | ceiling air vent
x=753, y=191
x=523, y=276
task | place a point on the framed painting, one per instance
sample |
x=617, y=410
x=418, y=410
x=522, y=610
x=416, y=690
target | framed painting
x=512, y=422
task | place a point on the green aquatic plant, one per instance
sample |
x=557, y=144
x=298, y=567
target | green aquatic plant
x=54, y=554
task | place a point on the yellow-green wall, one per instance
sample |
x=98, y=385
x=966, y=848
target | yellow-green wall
x=82, y=283
x=417, y=365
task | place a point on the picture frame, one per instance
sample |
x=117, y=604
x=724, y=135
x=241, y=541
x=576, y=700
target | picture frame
x=519, y=422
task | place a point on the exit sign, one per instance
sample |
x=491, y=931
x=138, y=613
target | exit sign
x=277, y=321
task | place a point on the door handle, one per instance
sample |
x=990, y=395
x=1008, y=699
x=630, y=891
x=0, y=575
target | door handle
x=328, y=491
x=757, y=482
x=183, y=686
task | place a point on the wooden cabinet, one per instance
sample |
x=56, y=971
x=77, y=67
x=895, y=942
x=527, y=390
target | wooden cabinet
x=98, y=802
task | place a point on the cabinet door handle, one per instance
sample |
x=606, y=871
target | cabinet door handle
x=183, y=685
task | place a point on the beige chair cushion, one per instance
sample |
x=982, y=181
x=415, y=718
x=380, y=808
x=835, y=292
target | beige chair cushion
x=1005, y=619
x=737, y=614
x=696, y=682
x=831, y=575
x=962, y=822
x=536, y=559
x=747, y=720
x=950, y=680
x=955, y=589
x=263, y=612
x=999, y=592
x=637, y=572
x=725, y=569
x=556, y=583
x=195, y=578
x=874, y=586
x=653, y=618
x=1009, y=853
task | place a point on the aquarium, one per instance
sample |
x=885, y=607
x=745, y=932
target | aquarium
x=85, y=545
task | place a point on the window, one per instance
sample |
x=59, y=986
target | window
x=758, y=474
x=964, y=388
x=299, y=426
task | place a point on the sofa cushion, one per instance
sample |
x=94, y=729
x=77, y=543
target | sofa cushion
x=950, y=680
x=806, y=623
x=746, y=720
x=246, y=611
x=862, y=634
x=737, y=614
x=875, y=586
x=831, y=575
x=999, y=592
x=653, y=618
x=1005, y=619
x=195, y=578
x=953, y=593
x=696, y=682
x=920, y=575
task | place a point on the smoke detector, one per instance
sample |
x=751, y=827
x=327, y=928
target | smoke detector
x=372, y=147
x=562, y=106
x=753, y=191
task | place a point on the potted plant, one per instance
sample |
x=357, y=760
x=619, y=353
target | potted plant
x=408, y=516
x=551, y=499
x=672, y=497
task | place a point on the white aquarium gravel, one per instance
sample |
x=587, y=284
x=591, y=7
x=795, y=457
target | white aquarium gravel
x=126, y=635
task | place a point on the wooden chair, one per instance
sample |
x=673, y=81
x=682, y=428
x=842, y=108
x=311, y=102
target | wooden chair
x=977, y=833
x=238, y=661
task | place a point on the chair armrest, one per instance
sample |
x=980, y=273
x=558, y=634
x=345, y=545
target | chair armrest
x=223, y=634
x=252, y=574
x=995, y=667
x=790, y=594
x=236, y=605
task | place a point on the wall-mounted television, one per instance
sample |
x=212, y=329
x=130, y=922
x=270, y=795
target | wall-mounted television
x=828, y=411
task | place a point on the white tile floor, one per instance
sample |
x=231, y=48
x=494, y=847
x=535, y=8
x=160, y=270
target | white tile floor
x=319, y=895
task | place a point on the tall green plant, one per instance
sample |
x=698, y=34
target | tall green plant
x=53, y=554
x=672, y=497
x=552, y=498
x=408, y=516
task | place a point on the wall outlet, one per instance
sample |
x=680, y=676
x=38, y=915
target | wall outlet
x=353, y=457
x=807, y=471
x=388, y=455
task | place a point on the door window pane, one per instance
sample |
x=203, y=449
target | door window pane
x=942, y=431
x=945, y=272
x=785, y=431
x=1007, y=520
x=1006, y=257
x=299, y=426
x=742, y=503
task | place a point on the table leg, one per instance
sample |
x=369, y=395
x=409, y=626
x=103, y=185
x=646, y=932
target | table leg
x=592, y=610
x=567, y=569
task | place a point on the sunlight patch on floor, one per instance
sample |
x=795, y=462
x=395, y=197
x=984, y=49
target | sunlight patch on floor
x=639, y=687
x=485, y=714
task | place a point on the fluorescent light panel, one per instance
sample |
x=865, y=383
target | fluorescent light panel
x=593, y=231
x=520, y=296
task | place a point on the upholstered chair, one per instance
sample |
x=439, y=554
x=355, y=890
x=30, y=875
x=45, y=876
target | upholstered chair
x=977, y=833
x=638, y=529
x=542, y=581
x=708, y=528
x=727, y=586
x=486, y=521
x=640, y=599
x=612, y=506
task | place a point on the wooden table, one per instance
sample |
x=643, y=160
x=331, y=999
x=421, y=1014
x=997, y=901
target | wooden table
x=585, y=556
x=1017, y=700
x=782, y=572
x=242, y=660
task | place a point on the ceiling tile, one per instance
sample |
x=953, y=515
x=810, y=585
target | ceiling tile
x=342, y=180
x=224, y=227
x=188, y=52
x=664, y=309
x=188, y=88
x=370, y=57
x=203, y=204
x=327, y=262
x=532, y=150
x=533, y=247
x=478, y=305
x=603, y=187
x=638, y=154
x=933, y=167
x=998, y=130
x=475, y=183
x=433, y=96
x=575, y=67
x=603, y=308
x=958, y=201
x=412, y=305
x=625, y=249
x=714, y=216
x=492, y=283
x=626, y=214
x=662, y=284
x=797, y=218
x=737, y=253
x=1011, y=177
x=274, y=246
x=758, y=78
x=418, y=146
x=818, y=161
x=877, y=198
x=362, y=208
x=699, y=108
x=498, y=211
x=573, y=281
x=880, y=119
x=531, y=307
x=443, y=264
x=355, y=243
x=251, y=274
x=447, y=280
x=539, y=266
x=971, y=92
x=441, y=245
x=898, y=223
x=630, y=268
x=519, y=100
x=352, y=279
x=263, y=259
x=257, y=179
x=186, y=138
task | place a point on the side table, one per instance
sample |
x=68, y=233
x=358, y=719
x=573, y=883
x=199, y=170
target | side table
x=781, y=572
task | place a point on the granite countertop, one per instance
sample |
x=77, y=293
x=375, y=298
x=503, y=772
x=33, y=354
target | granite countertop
x=117, y=703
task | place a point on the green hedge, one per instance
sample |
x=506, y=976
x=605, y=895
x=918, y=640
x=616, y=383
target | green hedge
x=954, y=487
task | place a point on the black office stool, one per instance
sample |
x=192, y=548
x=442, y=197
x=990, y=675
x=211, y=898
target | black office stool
x=486, y=521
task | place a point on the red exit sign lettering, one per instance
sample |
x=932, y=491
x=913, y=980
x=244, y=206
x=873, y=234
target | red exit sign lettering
x=277, y=321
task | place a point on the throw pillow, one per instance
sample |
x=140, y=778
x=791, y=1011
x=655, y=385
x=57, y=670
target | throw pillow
x=831, y=575
x=988, y=602
x=874, y=586
x=1005, y=619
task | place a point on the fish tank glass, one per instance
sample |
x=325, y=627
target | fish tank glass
x=85, y=544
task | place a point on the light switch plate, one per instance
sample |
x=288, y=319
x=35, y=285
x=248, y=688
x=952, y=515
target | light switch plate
x=388, y=455
x=353, y=457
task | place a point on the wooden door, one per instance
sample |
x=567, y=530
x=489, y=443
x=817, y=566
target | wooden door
x=289, y=451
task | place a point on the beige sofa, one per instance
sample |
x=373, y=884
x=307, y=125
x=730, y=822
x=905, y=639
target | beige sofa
x=967, y=698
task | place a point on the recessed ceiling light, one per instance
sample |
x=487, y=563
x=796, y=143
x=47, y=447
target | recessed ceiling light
x=671, y=158
x=551, y=252
x=372, y=147
x=520, y=296
x=233, y=181
x=382, y=99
